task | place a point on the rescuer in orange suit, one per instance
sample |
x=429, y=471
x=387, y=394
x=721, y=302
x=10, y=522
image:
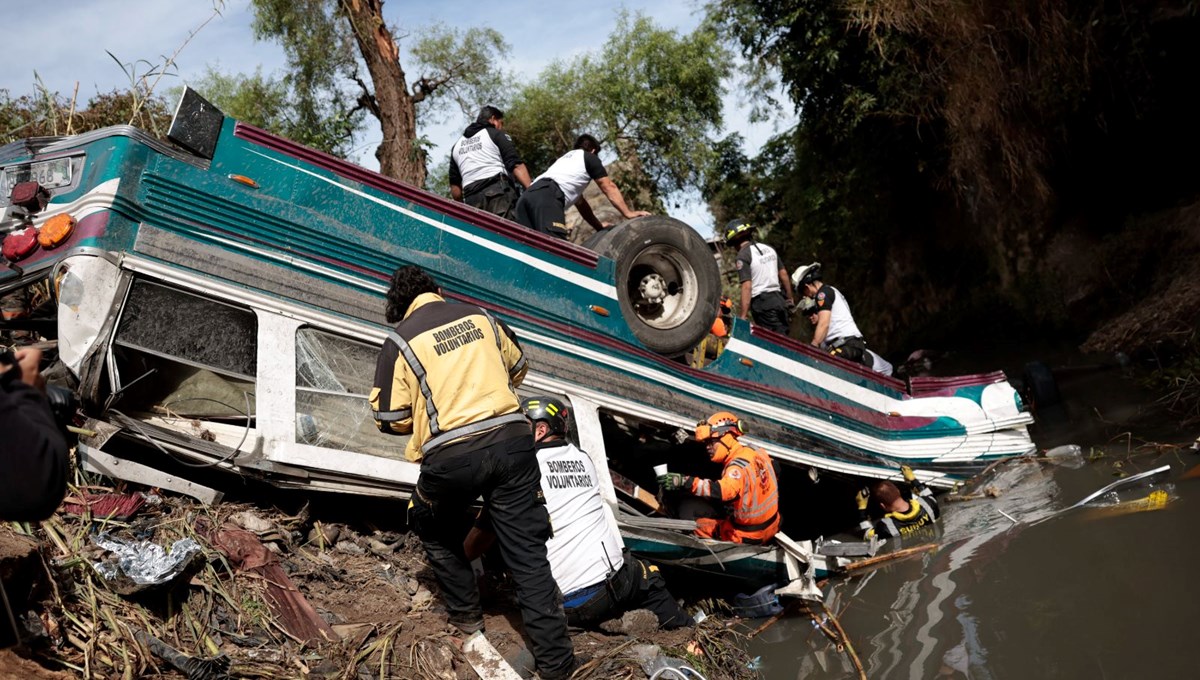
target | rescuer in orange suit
x=748, y=484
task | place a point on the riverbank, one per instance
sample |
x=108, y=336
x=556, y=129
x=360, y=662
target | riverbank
x=276, y=595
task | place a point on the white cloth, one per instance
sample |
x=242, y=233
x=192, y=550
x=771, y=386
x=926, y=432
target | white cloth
x=478, y=157
x=571, y=175
x=586, y=546
x=879, y=364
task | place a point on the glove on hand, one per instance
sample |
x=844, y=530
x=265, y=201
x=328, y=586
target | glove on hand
x=861, y=500
x=672, y=481
x=908, y=474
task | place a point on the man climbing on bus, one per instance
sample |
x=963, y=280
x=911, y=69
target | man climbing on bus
x=901, y=517
x=836, y=331
x=748, y=486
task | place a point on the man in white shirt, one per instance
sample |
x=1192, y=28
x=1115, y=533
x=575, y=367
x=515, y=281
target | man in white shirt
x=763, y=280
x=808, y=307
x=836, y=331
x=483, y=164
x=599, y=579
x=543, y=206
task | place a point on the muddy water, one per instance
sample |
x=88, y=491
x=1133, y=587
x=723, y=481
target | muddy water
x=1046, y=594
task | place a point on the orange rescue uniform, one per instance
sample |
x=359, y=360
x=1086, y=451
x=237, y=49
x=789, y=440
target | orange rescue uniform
x=749, y=488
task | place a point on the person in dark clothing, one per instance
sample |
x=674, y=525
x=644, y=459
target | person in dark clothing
x=544, y=206
x=484, y=164
x=902, y=518
x=446, y=375
x=34, y=457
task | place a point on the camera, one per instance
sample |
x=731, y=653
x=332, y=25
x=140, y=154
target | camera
x=63, y=402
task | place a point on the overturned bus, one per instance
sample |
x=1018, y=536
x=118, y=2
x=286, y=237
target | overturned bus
x=219, y=297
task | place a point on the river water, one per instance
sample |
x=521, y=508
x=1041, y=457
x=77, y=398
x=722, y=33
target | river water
x=1085, y=593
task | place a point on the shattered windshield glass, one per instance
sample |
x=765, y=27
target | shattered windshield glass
x=333, y=379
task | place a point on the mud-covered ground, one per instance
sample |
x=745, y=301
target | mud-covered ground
x=280, y=596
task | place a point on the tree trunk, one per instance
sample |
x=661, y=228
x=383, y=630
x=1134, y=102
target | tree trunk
x=398, y=154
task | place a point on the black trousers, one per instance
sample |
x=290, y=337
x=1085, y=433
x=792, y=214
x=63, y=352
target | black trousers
x=636, y=585
x=770, y=311
x=854, y=349
x=543, y=208
x=497, y=195
x=506, y=474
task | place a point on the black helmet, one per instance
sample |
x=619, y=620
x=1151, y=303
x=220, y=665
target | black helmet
x=738, y=229
x=548, y=410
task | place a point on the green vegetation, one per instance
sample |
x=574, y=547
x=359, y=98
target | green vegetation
x=959, y=168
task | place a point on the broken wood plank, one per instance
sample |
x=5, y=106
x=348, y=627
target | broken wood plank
x=626, y=486
x=892, y=556
x=99, y=462
x=486, y=661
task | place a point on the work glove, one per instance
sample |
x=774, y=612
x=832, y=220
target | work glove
x=861, y=499
x=673, y=480
x=908, y=474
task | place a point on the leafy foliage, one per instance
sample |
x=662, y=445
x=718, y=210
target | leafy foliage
x=271, y=104
x=652, y=94
x=49, y=114
x=939, y=141
x=315, y=101
x=461, y=70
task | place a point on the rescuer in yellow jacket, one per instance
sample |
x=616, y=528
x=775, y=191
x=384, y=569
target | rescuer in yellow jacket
x=748, y=484
x=446, y=374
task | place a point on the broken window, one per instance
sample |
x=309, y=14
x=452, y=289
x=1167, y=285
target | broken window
x=334, y=376
x=181, y=354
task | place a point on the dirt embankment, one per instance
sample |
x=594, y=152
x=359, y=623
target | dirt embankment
x=281, y=596
x=1147, y=279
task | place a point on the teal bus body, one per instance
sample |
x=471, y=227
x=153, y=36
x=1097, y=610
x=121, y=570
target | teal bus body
x=276, y=218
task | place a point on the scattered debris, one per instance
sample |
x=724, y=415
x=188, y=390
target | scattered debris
x=248, y=554
x=637, y=622
x=194, y=668
x=136, y=566
x=118, y=506
x=307, y=610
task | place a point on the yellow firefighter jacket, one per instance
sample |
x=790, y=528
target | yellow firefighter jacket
x=446, y=373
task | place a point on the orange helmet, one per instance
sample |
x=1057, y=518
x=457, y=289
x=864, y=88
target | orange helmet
x=722, y=430
x=718, y=328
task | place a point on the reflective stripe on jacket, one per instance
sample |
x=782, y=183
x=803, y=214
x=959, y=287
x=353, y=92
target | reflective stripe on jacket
x=748, y=485
x=448, y=371
x=922, y=512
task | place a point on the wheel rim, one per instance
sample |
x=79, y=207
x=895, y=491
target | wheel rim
x=662, y=287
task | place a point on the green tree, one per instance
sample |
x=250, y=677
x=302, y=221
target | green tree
x=940, y=143
x=48, y=114
x=650, y=93
x=324, y=39
x=272, y=104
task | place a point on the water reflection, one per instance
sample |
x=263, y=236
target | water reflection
x=1012, y=590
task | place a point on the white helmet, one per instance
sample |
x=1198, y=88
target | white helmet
x=806, y=274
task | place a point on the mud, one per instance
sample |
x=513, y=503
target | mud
x=371, y=587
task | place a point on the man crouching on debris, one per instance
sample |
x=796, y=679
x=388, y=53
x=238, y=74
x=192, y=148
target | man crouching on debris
x=901, y=517
x=34, y=458
x=446, y=374
x=599, y=579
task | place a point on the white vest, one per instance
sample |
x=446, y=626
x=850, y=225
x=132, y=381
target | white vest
x=586, y=546
x=841, y=322
x=569, y=173
x=764, y=269
x=477, y=157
